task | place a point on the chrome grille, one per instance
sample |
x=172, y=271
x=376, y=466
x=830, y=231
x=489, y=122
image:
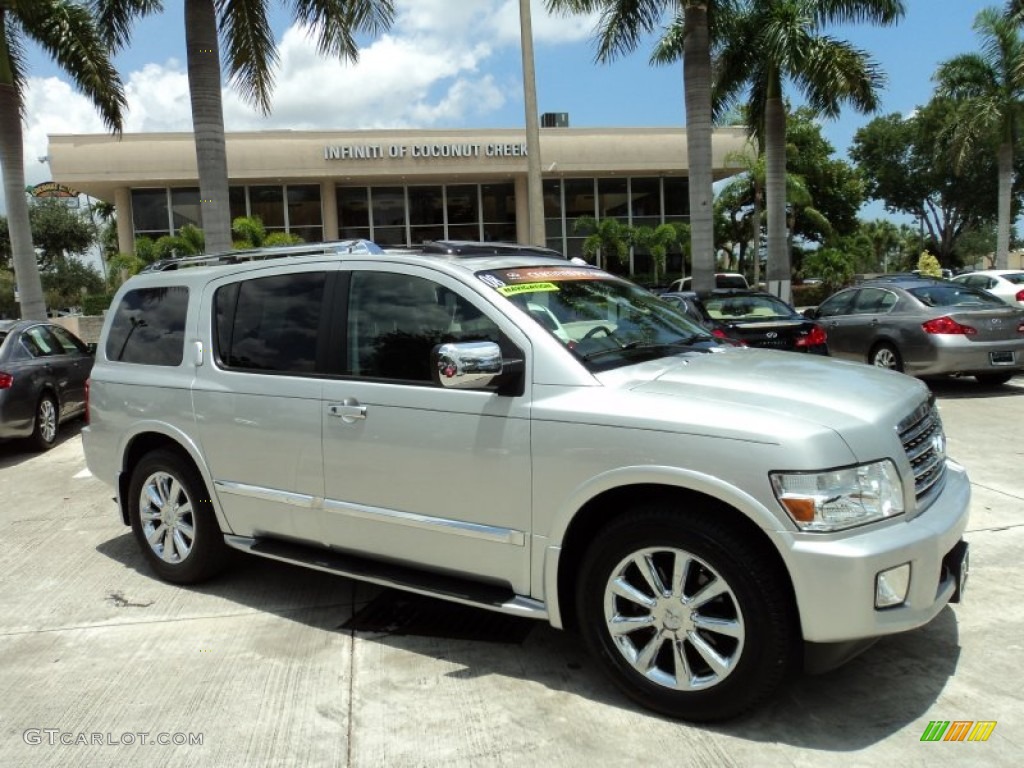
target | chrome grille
x=925, y=445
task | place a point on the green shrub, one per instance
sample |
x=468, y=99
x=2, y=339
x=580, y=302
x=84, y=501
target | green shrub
x=809, y=295
x=95, y=304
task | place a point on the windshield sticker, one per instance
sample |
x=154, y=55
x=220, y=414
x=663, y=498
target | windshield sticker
x=512, y=290
x=500, y=278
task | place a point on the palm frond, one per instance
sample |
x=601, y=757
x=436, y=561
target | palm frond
x=833, y=72
x=116, y=17
x=250, y=48
x=879, y=12
x=336, y=22
x=67, y=31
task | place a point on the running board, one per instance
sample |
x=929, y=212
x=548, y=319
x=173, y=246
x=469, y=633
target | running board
x=453, y=588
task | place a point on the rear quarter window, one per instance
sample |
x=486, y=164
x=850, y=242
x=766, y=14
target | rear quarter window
x=149, y=327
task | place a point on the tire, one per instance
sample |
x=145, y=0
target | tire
x=46, y=424
x=993, y=379
x=886, y=356
x=183, y=544
x=710, y=661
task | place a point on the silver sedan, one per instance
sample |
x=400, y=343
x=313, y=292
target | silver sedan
x=925, y=327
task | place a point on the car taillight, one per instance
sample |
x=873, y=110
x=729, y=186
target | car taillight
x=948, y=325
x=815, y=338
x=86, y=417
x=1020, y=296
x=718, y=333
x=6, y=380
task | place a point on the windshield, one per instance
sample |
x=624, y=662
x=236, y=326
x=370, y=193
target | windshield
x=604, y=320
x=954, y=295
x=748, y=308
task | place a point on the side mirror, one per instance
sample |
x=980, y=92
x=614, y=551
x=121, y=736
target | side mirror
x=811, y=313
x=466, y=365
x=92, y=348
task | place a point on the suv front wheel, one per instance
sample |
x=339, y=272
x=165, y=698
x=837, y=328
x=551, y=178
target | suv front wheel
x=686, y=615
x=173, y=519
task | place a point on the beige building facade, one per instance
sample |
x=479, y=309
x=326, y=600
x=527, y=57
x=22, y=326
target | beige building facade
x=396, y=186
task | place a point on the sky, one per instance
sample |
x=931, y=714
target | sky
x=456, y=64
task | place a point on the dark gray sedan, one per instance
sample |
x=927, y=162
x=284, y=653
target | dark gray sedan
x=43, y=373
x=925, y=327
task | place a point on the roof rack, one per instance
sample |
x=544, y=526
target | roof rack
x=333, y=248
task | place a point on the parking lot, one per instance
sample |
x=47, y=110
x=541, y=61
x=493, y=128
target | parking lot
x=104, y=665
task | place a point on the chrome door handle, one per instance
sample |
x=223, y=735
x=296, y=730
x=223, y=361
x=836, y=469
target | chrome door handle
x=349, y=410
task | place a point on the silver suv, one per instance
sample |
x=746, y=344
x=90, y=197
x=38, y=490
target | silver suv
x=535, y=437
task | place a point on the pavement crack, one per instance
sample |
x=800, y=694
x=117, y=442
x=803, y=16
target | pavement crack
x=118, y=599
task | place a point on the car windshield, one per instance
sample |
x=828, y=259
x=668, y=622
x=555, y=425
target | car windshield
x=953, y=295
x=745, y=309
x=604, y=320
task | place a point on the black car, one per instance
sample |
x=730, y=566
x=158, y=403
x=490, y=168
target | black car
x=754, y=318
x=43, y=373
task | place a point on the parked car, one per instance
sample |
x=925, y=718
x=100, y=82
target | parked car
x=1007, y=284
x=534, y=437
x=722, y=280
x=925, y=327
x=43, y=373
x=754, y=318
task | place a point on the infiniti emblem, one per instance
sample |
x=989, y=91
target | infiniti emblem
x=771, y=335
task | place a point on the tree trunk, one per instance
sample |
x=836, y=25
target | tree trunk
x=12, y=158
x=779, y=272
x=756, y=227
x=204, y=83
x=534, y=186
x=1005, y=184
x=697, y=88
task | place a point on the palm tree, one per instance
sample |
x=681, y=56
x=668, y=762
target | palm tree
x=249, y=59
x=75, y=39
x=774, y=41
x=621, y=26
x=988, y=88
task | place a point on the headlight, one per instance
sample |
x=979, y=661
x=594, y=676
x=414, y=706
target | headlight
x=840, y=498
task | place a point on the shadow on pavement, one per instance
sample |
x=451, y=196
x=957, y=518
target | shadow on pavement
x=15, y=451
x=891, y=685
x=966, y=388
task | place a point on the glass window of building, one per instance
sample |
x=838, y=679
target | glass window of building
x=579, y=201
x=185, y=208
x=463, y=205
x=149, y=212
x=268, y=203
x=388, y=206
x=645, y=201
x=236, y=198
x=353, y=213
x=613, y=199
x=305, y=216
x=677, y=199
x=498, y=204
x=553, y=214
x=426, y=214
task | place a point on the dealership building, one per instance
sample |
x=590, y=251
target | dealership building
x=396, y=186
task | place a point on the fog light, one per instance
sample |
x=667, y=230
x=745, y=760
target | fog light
x=891, y=586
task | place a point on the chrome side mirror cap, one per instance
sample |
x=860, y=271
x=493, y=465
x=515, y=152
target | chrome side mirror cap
x=466, y=365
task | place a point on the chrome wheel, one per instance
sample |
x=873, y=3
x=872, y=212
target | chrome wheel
x=674, y=619
x=167, y=517
x=886, y=357
x=46, y=420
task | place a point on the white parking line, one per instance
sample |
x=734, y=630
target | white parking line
x=83, y=474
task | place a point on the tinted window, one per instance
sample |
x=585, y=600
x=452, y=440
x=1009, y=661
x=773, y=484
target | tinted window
x=70, y=343
x=953, y=295
x=40, y=342
x=149, y=327
x=1017, y=278
x=751, y=307
x=395, y=320
x=872, y=301
x=837, y=305
x=271, y=323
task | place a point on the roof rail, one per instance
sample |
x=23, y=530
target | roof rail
x=332, y=248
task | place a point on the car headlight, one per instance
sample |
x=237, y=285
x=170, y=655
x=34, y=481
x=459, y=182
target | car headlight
x=840, y=498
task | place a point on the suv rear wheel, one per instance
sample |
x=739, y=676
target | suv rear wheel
x=686, y=615
x=173, y=520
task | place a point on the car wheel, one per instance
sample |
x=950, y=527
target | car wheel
x=686, y=615
x=886, y=356
x=47, y=423
x=173, y=520
x=993, y=379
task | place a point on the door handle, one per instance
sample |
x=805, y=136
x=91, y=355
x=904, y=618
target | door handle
x=349, y=410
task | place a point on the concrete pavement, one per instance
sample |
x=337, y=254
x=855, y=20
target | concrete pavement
x=255, y=669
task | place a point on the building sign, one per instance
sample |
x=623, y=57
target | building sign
x=454, y=150
x=51, y=189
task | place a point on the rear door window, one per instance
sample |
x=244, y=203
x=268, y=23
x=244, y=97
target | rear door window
x=149, y=327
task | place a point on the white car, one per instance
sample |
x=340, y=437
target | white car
x=722, y=280
x=1007, y=284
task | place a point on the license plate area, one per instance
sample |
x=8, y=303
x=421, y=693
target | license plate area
x=1002, y=358
x=957, y=564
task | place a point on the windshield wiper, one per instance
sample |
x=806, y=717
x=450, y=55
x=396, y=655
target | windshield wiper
x=685, y=343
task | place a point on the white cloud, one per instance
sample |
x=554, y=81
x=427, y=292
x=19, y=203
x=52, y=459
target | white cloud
x=438, y=67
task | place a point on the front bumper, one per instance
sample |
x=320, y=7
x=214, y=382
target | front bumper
x=834, y=578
